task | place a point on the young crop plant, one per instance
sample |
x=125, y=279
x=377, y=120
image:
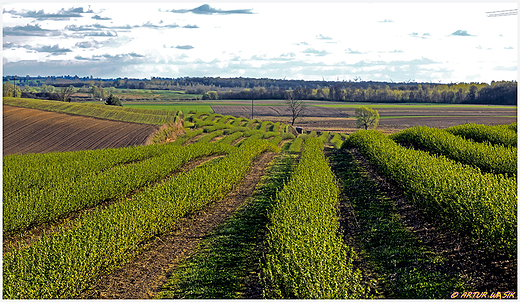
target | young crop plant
x=226, y=260
x=480, y=205
x=229, y=139
x=489, y=158
x=208, y=137
x=63, y=264
x=502, y=134
x=296, y=144
x=26, y=208
x=336, y=141
x=306, y=256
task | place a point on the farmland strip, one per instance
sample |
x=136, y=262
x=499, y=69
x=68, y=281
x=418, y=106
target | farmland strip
x=26, y=238
x=482, y=206
x=24, y=209
x=143, y=277
x=502, y=134
x=489, y=158
x=146, y=116
x=65, y=263
x=406, y=268
x=306, y=257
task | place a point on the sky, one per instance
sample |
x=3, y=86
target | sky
x=438, y=42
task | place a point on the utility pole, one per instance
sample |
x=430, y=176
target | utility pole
x=252, y=110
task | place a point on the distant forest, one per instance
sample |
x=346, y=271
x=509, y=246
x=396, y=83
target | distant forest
x=213, y=88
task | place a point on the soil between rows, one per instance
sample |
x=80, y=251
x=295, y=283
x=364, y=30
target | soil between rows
x=143, y=277
x=33, y=234
x=481, y=271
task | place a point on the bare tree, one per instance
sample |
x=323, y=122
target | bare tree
x=295, y=105
x=65, y=93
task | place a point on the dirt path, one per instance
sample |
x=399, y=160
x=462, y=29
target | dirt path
x=143, y=277
x=483, y=272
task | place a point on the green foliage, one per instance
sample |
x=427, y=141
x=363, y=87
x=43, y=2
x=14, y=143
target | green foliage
x=366, y=117
x=65, y=263
x=296, y=144
x=337, y=141
x=216, y=126
x=227, y=258
x=40, y=188
x=482, y=206
x=503, y=134
x=489, y=158
x=113, y=100
x=231, y=138
x=10, y=90
x=406, y=268
x=145, y=116
x=287, y=135
x=306, y=256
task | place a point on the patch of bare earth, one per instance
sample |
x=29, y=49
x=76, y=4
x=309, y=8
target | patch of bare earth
x=481, y=271
x=143, y=277
x=36, y=131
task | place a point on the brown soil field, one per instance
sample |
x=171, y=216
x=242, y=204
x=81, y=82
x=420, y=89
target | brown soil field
x=342, y=120
x=36, y=131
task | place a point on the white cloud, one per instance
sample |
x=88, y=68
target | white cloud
x=309, y=40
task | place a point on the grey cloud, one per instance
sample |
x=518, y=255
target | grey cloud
x=288, y=55
x=85, y=27
x=508, y=47
x=312, y=51
x=190, y=26
x=102, y=66
x=51, y=49
x=461, y=33
x=184, y=47
x=29, y=30
x=414, y=62
x=386, y=21
x=8, y=45
x=80, y=58
x=503, y=68
x=322, y=37
x=150, y=25
x=96, y=30
x=392, y=51
x=208, y=10
x=97, y=17
x=63, y=14
x=88, y=44
x=416, y=35
x=350, y=51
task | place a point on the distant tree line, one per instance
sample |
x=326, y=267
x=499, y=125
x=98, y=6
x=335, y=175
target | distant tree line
x=498, y=93
x=212, y=88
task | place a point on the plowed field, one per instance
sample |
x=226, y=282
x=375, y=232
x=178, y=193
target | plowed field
x=36, y=131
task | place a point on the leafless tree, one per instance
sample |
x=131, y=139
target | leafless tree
x=295, y=105
x=65, y=93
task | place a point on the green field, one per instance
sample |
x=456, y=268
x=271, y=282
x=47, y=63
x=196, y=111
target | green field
x=184, y=107
x=414, y=106
x=423, y=213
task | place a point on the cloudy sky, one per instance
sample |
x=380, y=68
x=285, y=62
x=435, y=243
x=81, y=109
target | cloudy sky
x=379, y=41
